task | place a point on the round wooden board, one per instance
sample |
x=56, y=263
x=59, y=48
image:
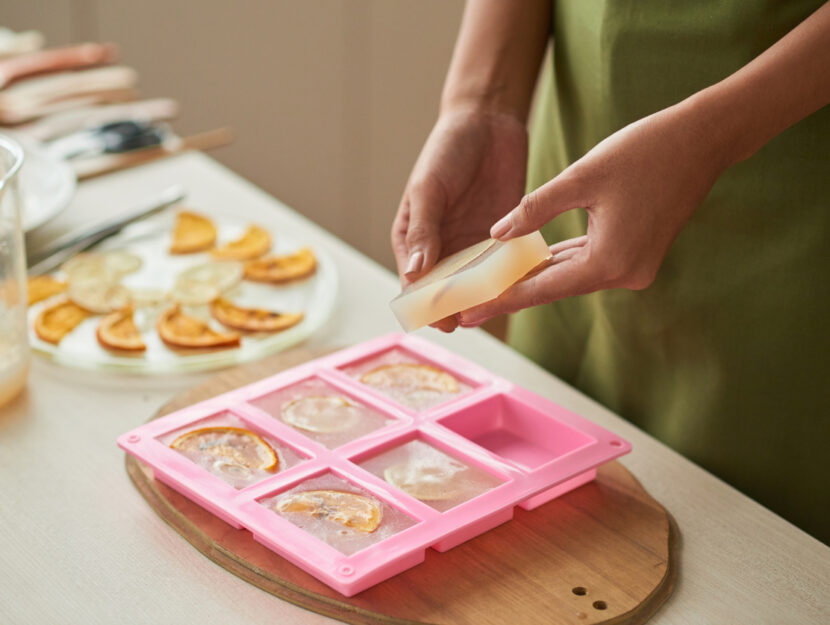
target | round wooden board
x=603, y=553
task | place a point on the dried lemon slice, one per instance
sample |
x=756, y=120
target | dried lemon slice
x=426, y=481
x=192, y=293
x=107, y=265
x=222, y=274
x=118, y=331
x=411, y=377
x=355, y=511
x=252, y=319
x=321, y=414
x=44, y=287
x=282, y=268
x=253, y=243
x=192, y=233
x=235, y=449
x=148, y=297
x=56, y=321
x=179, y=330
x=98, y=296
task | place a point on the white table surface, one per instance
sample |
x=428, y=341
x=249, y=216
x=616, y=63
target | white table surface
x=78, y=544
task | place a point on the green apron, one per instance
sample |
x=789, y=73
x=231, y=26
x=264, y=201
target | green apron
x=726, y=357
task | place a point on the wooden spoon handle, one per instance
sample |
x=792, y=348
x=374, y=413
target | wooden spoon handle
x=96, y=166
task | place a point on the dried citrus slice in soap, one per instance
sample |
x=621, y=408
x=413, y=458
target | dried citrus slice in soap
x=230, y=447
x=118, y=331
x=349, y=509
x=192, y=233
x=282, y=268
x=56, y=321
x=44, y=287
x=221, y=274
x=411, y=377
x=427, y=481
x=179, y=330
x=318, y=413
x=252, y=319
x=253, y=243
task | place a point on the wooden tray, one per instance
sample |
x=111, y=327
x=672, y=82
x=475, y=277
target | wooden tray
x=603, y=553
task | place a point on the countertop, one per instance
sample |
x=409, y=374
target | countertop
x=78, y=544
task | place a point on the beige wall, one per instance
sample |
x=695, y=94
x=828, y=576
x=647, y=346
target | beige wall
x=330, y=100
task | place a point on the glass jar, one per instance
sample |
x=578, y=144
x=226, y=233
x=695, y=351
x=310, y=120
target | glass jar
x=14, y=340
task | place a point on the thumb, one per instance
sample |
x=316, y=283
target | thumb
x=540, y=206
x=423, y=234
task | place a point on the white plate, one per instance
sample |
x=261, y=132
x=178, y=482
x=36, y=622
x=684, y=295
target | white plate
x=150, y=239
x=47, y=184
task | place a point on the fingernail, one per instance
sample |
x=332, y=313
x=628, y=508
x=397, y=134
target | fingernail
x=416, y=261
x=467, y=321
x=501, y=227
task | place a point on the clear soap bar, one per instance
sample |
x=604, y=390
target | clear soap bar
x=467, y=278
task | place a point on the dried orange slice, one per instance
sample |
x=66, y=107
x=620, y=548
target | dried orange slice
x=56, y=321
x=44, y=287
x=349, y=509
x=284, y=268
x=411, y=377
x=253, y=243
x=317, y=413
x=179, y=330
x=118, y=331
x=252, y=319
x=230, y=447
x=192, y=233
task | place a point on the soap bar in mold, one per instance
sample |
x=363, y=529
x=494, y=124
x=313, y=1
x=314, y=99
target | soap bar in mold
x=467, y=278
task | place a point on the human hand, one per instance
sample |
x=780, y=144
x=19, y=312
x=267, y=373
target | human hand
x=639, y=187
x=470, y=172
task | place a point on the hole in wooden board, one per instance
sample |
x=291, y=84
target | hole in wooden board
x=600, y=605
x=579, y=590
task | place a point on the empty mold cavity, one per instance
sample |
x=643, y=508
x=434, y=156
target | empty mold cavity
x=342, y=515
x=423, y=471
x=227, y=447
x=407, y=379
x=321, y=412
x=516, y=431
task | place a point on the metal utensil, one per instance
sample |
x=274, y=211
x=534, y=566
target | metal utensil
x=61, y=249
x=111, y=138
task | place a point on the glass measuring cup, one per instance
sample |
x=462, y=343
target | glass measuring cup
x=14, y=341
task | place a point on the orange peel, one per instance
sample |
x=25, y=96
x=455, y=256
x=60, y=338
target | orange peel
x=183, y=331
x=252, y=319
x=56, y=321
x=236, y=446
x=44, y=287
x=253, y=243
x=192, y=233
x=284, y=268
x=118, y=331
x=348, y=509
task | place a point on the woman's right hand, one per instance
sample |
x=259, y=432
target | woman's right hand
x=470, y=173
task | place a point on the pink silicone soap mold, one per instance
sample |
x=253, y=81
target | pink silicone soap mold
x=368, y=472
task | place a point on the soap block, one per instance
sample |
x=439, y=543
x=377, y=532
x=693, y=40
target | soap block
x=467, y=278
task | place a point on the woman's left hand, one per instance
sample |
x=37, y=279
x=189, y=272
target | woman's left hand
x=639, y=187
